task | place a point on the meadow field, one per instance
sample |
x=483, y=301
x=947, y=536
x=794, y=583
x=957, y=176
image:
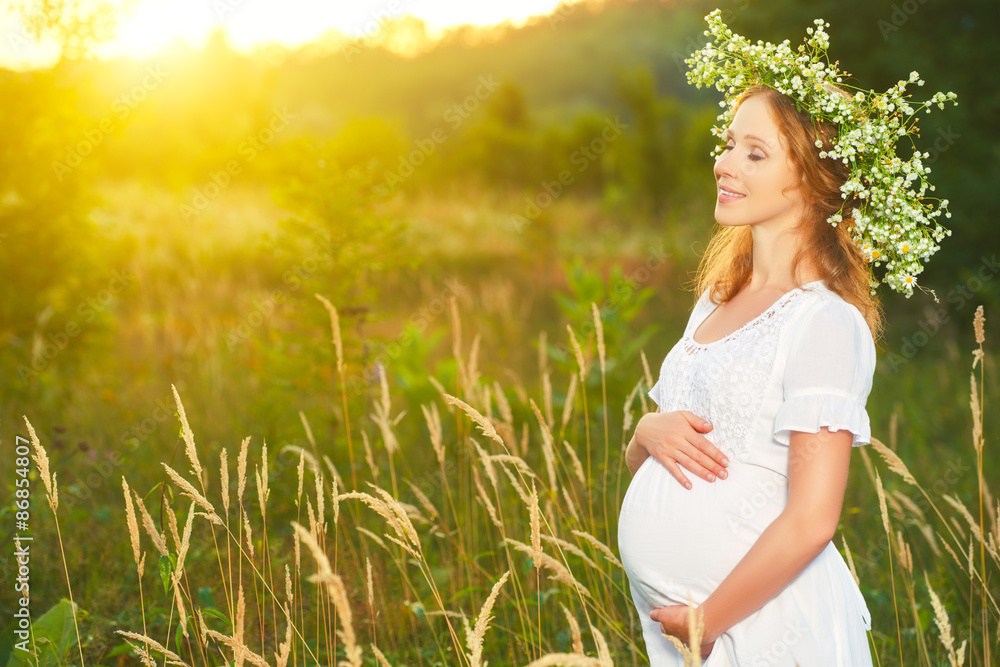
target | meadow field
x=304, y=377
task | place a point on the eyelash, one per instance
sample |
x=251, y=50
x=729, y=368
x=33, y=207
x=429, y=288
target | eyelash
x=752, y=156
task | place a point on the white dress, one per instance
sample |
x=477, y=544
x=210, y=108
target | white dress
x=805, y=362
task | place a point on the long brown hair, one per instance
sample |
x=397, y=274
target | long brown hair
x=727, y=264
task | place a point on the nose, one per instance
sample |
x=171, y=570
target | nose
x=724, y=165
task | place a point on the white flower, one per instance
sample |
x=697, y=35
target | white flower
x=892, y=221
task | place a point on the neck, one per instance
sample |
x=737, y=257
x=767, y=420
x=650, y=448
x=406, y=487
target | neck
x=774, y=250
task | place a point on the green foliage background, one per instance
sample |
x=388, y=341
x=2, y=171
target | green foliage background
x=170, y=221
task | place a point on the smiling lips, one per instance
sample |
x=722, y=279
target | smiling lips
x=727, y=195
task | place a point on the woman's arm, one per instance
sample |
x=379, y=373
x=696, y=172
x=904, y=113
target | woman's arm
x=817, y=477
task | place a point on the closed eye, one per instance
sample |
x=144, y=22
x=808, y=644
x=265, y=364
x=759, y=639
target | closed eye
x=730, y=146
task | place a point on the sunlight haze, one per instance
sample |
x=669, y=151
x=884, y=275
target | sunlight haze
x=249, y=24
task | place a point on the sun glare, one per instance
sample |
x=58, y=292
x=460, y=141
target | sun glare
x=151, y=25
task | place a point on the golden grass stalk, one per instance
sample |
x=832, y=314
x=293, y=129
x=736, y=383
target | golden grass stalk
x=565, y=660
x=313, y=525
x=320, y=500
x=241, y=652
x=850, y=561
x=189, y=490
x=574, y=630
x=402, y=525
x=892, y=578
x=944, y=627
x=241, y=470
x=147, y=522
x=382, y=416
x=153, y=644
x=571, y=548
x=575, y=460
x=966, y=514
x=600, y=546
x=263, y=493
x=519, y=464
x=339, y=348
x=568, y=405
x=41, y=459
x=375, y=538
x=976, y=403
x=335, y=501
x=380, y=657
x=300, y=471
x=603, y=652
x=535, y=522
x=578, y=353
x=433, y=419
x=518, y=486
x=905, y=555
x=600, y=335
x=249, y=535
x=645, y=369
x=570, y=505
x=133, y=526
x=133, y=534
x=558, y=571
x=335, y=587
x=547, y=448
x=179, y=603
x=484, y=424
x=175, y=532
x=474, y=638
x=308, y=429
x=424, y=501
x=224, y=478
x=487, y=462
x=285, y=647
x=473, y=373
x=369, y=457
x=370, y=583
x=338, y=344
x=893, y=461
x=393, y=514
x=185, y=544
x=485, y=500
x=144, y=657
x=627, y=417
x=188, y=435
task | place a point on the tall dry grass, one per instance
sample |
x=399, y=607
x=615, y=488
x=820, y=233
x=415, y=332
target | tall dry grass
x=509, y=562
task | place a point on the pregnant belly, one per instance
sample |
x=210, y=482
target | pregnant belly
x=677, y=542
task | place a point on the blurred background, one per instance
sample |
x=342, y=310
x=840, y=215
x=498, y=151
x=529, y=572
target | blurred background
x=177, y=180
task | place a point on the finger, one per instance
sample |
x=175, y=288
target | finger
x=696, y=422
x=695, y=466
x=710, y=450
x=696, y=452
x=675, y=470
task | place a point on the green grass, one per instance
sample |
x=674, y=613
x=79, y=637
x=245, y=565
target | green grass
x=104, y=410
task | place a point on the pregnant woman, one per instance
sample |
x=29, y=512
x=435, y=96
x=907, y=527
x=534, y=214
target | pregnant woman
x=763, y=397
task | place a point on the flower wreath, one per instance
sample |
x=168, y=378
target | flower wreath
x=893, y=219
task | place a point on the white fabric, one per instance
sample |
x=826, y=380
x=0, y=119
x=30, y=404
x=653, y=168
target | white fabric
x=804, y=363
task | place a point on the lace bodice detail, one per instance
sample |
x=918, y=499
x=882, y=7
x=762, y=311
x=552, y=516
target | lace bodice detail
x=725, y=381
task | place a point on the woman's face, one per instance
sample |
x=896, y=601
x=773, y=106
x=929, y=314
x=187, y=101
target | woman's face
x=757, y=183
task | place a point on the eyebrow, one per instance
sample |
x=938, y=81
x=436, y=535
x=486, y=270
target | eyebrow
x=752, y=137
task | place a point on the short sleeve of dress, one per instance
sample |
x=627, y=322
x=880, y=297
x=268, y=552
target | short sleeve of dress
x=828, y=373
x=654, y=393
